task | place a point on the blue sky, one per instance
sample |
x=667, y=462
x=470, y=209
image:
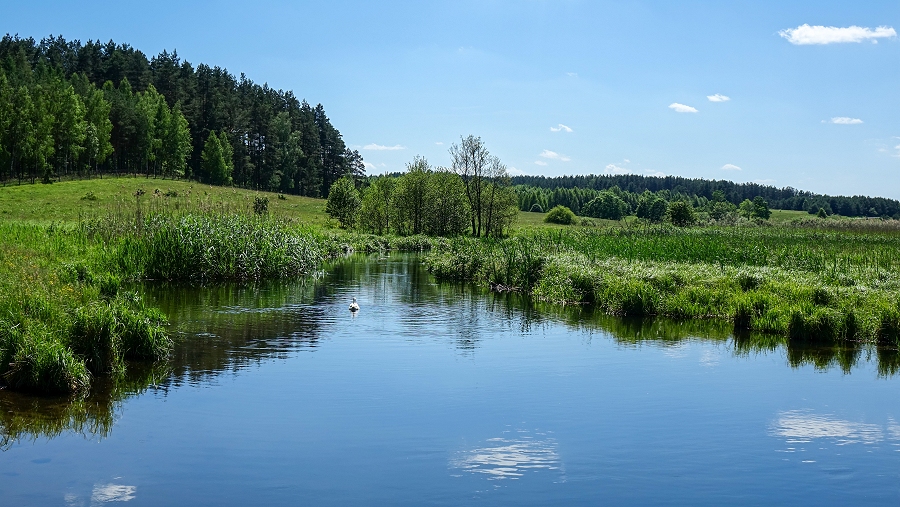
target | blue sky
x=558, y=87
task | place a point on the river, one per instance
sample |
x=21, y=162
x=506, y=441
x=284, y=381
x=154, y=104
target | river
x=443, y=394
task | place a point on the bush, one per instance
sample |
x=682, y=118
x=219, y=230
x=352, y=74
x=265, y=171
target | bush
x=89, y=197
x=560, y=215
x=261, y=205
x=681, y=213
x=606, y=205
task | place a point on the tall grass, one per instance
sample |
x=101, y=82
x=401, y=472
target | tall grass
x=63, y=317
x=800, y=283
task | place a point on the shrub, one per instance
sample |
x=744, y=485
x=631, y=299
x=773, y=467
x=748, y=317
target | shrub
x=560, y=215
x=261, y=205
x=681, y=213
x=89, y=197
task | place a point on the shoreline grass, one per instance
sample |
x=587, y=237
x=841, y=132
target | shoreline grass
x=802, y=284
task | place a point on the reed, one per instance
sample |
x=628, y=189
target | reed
x=803, y=284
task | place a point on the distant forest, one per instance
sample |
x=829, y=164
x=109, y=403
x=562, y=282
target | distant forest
x=576, y=191
x=79, y=109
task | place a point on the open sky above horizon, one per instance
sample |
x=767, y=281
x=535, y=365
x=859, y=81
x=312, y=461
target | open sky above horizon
x=732, y=90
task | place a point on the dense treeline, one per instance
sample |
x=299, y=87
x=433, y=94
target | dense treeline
x=576, y=191
x=73, y=109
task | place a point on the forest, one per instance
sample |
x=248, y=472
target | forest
x=73, y=109
x=576, y=191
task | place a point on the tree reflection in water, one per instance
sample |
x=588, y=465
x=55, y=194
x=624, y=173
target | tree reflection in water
x=227, y=328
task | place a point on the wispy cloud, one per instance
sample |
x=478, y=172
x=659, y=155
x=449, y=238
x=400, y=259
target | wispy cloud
x=621, y=169
x=540, y=162
x=554, y=156
x=439, y=143
x=718, y=98
x=764, y=182
x=572, y=74
x=381, y=147
x=844, y=120
x=730, y=167
x=806, y=35
x=561, y=128
x=515, y=172
x=681, y=108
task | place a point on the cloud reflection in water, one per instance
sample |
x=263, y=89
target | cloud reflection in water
x=798, y=426
x=505, y=458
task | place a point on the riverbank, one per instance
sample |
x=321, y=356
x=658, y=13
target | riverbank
x=800, y=283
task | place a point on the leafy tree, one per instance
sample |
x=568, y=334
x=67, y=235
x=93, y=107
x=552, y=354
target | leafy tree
x=500, y=203
x=761, y=208
x=606, y=205
x=822, y=213
x=343, y=202
x=446, y=208
x=560, y=215
x=215, y=169
x=377, y=205
x=410, y=197
x=747, y=209
x=719, y=210
x=681, y=213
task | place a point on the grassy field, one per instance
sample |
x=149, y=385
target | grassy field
x=71, y=200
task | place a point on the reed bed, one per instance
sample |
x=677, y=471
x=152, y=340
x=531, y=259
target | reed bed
x=63, y=316
x=803, y=284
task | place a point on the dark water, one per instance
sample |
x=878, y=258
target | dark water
x=437, y=394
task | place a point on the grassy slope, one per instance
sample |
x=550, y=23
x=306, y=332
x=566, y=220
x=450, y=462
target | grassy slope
x=62, y=202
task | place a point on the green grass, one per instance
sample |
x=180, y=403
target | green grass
x=804, y=284
x=64, y=201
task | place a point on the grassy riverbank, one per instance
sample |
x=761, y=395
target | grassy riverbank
x=64, y=315
x=801, y=283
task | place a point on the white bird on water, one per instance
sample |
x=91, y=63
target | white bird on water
x=354, y=306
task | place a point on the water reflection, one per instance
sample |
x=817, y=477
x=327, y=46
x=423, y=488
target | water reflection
x=802, y=427
x=510, y=458
x=102, y=493
x=227, y=328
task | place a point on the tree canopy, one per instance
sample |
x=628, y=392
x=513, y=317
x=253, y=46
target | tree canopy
x=69, y=108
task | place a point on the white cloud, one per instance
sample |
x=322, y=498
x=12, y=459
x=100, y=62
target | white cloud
x=515, y=172
x=572, y=74
x=619, y=169
x=540, y=162
x=681, y=108
x=561, y=128
x=718, y=98
x=380, y=147
x=843, y=120
x=764, y=182
x=369, y=166
x=439, y=143
x=555, y=156
x=730, y=167
x=805, y=34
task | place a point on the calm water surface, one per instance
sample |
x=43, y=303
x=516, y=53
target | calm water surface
x=438, y=394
